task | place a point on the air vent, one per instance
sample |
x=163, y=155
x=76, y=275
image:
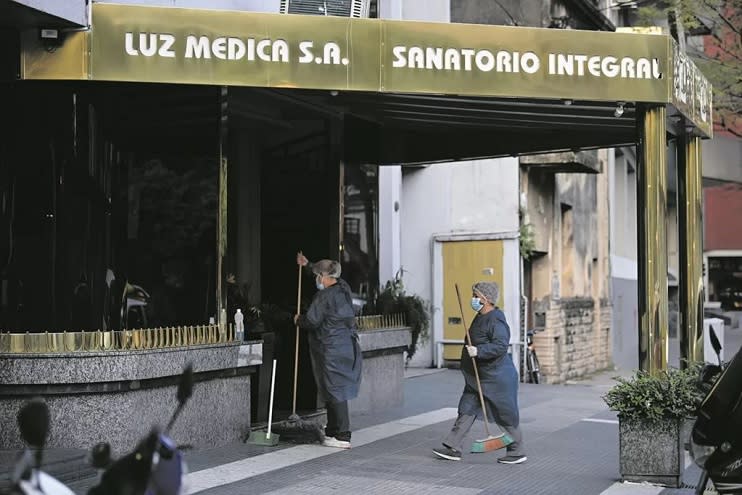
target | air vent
x=338, y=8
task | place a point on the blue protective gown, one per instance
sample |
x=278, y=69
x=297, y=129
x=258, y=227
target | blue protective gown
x=490, y=334
x=333, y=343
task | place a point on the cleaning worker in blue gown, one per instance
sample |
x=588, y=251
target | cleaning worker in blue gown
x=333, y=346
x=490, y=339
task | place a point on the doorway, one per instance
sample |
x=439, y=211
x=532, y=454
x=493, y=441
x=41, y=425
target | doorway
x=465, y=263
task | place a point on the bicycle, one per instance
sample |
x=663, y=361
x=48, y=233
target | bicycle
x=533, y=368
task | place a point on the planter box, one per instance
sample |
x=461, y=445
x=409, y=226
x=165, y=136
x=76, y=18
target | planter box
x=382, y=380
x=116, y=396
x=652, y=452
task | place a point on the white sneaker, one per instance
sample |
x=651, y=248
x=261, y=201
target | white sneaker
x=334, y=442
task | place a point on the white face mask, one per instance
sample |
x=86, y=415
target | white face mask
x=319, y=284
x=476, y=304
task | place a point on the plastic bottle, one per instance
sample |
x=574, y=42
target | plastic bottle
x=239, y=328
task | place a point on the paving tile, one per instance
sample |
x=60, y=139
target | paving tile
x=371, y=486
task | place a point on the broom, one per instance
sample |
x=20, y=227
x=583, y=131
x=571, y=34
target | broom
x=491, y=442
x=294, y=425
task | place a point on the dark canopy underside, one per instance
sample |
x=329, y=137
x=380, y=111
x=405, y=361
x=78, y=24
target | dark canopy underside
x=402, y=128
x=378, y=128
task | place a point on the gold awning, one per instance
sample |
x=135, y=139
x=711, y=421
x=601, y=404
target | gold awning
x=191, y=46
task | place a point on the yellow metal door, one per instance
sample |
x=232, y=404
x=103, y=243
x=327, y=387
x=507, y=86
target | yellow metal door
x=465, y=263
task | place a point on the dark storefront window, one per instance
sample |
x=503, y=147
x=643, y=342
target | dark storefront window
x=360, y=227
x=163, y=239
x=108, y=207
x=171, y=227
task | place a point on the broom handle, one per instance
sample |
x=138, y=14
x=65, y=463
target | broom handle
x=296, y=352
x=270, y=410
x=474, y=364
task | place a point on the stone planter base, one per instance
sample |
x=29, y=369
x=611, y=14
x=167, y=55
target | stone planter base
x=382, y=380
x=652, y=451
x=117, y=396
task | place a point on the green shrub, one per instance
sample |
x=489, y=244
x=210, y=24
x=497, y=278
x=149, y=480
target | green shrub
x=670, y=394
x=394, y=300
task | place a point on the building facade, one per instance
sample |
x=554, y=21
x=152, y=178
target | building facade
x=324, y=131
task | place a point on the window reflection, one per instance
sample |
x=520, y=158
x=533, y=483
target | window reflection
x=108, y=207
x=360, y=253
x=171, y=241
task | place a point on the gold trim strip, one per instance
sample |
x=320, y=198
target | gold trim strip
x=143, y=339
x=102, y=341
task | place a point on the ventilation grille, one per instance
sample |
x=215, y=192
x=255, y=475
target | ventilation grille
x=338, y=8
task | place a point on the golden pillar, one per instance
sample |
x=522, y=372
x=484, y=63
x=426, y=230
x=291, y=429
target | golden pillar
x=690, y=228
x=652, y=237
x=221, y=221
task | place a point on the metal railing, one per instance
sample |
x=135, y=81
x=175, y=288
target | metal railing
x=147, y=338
x=376, y=322
x=123, y=340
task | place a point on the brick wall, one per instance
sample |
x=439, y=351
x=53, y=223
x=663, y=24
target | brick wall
x=576, y=340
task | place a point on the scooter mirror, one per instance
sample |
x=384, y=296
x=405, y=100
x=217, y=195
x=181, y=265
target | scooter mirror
x=33, y=421
x=185, y=386
x=101, y=455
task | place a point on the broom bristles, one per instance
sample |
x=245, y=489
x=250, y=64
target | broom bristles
x=490, y=444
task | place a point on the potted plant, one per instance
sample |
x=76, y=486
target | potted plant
x=653, y=413
x=393, y=299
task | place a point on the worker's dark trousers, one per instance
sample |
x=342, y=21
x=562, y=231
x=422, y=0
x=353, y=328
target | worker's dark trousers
x=455, y=438
x=338, y=420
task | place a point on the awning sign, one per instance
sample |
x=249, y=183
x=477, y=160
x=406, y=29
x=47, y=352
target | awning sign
x=174, y=45
x=691, y=92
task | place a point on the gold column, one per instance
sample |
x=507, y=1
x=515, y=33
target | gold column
x=221, y=222
x=652, y=237
x=690, y=228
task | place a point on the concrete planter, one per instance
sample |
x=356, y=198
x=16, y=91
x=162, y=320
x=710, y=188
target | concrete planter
x=382, y=380
x=116, y=396
x=652, y=452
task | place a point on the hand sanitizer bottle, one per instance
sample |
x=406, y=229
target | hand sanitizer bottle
x=239, y=329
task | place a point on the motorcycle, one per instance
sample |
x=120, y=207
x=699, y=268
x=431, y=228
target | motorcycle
x=27, y=477
x=155, y=467
x=716, y=438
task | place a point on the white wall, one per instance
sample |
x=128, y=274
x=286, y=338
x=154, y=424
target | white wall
x=390, y=202
x=478, y=197
x=426, y=10
x=722, y=158
x=416, y=10
x=623, y=196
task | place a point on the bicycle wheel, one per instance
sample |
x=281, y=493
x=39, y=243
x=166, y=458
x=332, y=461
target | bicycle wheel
x=534, y=370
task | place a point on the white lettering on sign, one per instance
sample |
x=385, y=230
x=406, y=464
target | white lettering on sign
x=428, y=58
x=466, y=59
x=232, y=48
x=558, y=64
x=690, y=88
x=562, y=64
x=149, y=44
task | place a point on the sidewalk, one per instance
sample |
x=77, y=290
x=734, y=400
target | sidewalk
x=571, y=441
